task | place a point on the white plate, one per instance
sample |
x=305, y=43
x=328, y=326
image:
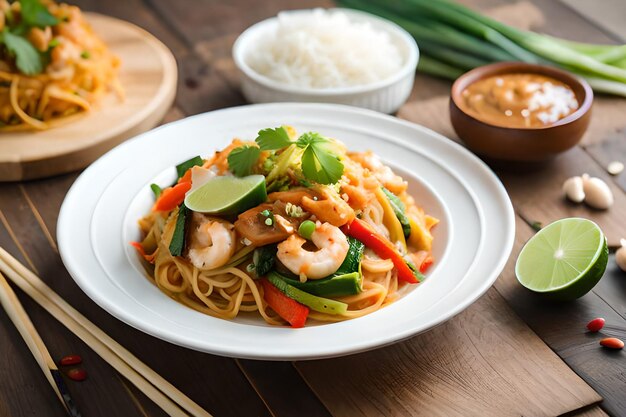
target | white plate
x=100, y=212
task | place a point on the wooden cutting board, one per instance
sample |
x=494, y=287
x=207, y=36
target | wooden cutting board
x=148, y=75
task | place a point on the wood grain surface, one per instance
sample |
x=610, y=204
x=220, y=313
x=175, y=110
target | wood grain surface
x=483, y=362
x=148, y=74
x=508, y=354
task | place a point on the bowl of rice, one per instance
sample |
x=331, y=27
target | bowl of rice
x=338, y=56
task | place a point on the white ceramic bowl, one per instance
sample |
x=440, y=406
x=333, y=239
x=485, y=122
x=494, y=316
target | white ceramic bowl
x=385, y=96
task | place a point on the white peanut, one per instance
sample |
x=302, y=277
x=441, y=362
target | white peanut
x=615, y=168
x=620, y=256
x=573, y=189
x=597, y=193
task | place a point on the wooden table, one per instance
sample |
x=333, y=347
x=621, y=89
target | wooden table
x=508, y=354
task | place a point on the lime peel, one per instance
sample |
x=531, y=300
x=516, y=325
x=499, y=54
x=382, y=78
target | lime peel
x=227, y=195
x=564, y=260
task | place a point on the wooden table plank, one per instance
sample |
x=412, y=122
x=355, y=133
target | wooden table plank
x=613, y=148
x=19, y=373
x=102, y=383
x=485, y=361
x=136, y=11
x=563, y=22
x=282, y=388
x=612, y=288
x=202, y=88
x=608, y=15
x=199, y=20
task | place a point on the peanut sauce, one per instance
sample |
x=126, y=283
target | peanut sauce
x=519, y=100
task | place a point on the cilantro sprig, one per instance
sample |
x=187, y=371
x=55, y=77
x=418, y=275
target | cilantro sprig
x=272, y=139
x=242, y=159
x=33, y=14
x=27, y=58
x=319, y=162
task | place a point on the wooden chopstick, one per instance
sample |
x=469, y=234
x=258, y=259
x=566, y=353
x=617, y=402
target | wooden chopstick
x=164, y=394
x=25, y=327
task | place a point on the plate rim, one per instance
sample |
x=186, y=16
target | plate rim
x=502, y=197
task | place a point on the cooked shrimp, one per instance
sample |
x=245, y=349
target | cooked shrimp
x=211, y=242
x=333, y=248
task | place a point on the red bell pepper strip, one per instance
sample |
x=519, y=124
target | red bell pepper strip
x=171, y=197
x=426, y=263
x=287, y=308
x=360, y=230
x=142, y=252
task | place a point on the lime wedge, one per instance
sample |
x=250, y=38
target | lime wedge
x=564, y=260
x=228, y=195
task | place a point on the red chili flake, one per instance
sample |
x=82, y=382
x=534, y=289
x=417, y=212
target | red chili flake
x=595, y=325
x=70, y=360
x=612, y=343
x=77, y=374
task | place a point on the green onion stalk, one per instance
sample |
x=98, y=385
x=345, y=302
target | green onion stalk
x=453, y=39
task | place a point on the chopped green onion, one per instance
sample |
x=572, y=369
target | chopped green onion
x=269, y=217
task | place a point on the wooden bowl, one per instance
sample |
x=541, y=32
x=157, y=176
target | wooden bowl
x=514, y=143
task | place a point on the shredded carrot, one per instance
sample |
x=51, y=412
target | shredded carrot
x=171, y=197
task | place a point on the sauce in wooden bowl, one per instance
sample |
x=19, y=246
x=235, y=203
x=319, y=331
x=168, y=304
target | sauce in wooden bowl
x=519, y=100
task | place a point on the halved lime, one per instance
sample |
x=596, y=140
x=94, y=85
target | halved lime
x=228, y=195
x=564, y=260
